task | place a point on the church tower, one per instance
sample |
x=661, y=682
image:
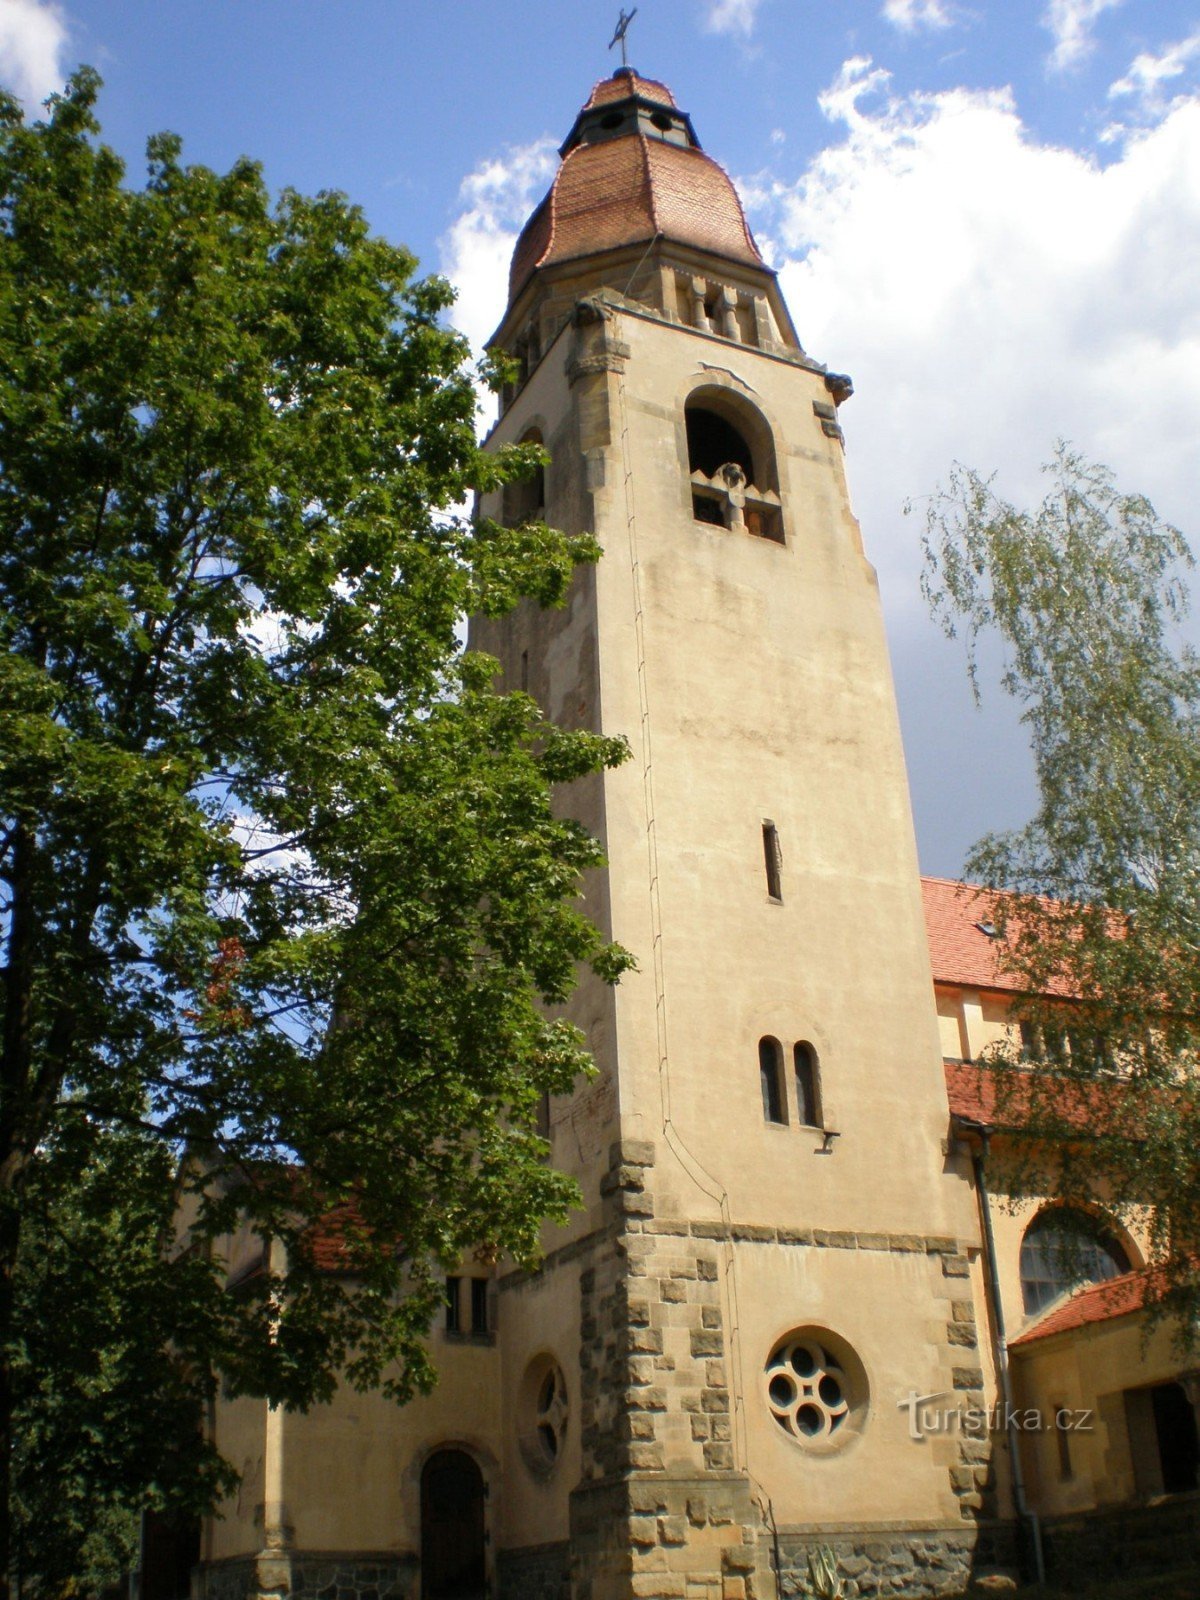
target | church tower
x=708, y=1375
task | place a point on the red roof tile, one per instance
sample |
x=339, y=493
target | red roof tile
x=330, y=1238
x=971, y=1091
x=959, y=951
x=624, y=82
x=1005, y=1099
x=1097, y=1302
x=629, y=191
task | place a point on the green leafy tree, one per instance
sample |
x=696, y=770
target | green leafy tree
x=1101, y=915
x=281, y=883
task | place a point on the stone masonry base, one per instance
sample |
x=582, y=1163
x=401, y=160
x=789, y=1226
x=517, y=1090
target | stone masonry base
x=897, y=1561
x=344, y=1576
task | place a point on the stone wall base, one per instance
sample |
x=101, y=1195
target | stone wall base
x=899, y=1562
x=348, y=1575
x=537, y=1572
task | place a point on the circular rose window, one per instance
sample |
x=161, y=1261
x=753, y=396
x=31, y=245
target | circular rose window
x=543, y=1410
x=816, y=1388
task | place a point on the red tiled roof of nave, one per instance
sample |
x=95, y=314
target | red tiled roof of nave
x=958, y=950
x=1096, y=1302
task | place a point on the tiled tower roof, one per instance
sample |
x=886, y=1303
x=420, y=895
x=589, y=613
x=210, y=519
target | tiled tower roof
x=625, y=82
x=626, y=180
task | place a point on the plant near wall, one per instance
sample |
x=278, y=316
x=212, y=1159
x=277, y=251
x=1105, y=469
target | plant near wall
x=824, y=1580
x=281, y=884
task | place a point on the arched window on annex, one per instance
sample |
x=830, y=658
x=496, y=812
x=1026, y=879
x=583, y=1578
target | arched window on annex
x=731, y=464
x=525, y=500
x=1065, y=1247
x=770, y=1078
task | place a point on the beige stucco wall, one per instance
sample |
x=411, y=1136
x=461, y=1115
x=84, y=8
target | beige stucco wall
x=768, y=693
x=238, y=1434
x=752, y=678
x=540, y=1316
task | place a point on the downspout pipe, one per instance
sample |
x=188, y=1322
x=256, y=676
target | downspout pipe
x=979, y=1155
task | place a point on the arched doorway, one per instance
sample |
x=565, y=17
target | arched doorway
x=453, y=1564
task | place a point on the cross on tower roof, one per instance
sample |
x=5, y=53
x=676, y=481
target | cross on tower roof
x=623, y=22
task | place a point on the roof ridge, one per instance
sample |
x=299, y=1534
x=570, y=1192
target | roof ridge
x=552, y=202
x=648, y=180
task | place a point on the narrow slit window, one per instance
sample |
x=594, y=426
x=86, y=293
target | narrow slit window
x=1062, y=1436
x=772, y=860
x=453, y=1323
x=479, y=1305
x=808, y=1086
x=770, y=1073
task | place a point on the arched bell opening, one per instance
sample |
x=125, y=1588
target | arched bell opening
x=525, y=499
x=731, y=464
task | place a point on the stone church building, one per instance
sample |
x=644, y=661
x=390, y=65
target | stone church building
x=753, y=1348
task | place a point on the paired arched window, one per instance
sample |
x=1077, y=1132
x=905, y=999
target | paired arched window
x=808, y=1085
x=806, y=1080
x=731, y=463
x=770, y=1077
x=1064, y=1248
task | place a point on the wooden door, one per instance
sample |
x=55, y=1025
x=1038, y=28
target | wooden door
x=453, y=1539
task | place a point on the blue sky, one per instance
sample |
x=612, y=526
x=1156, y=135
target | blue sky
x=989, y=214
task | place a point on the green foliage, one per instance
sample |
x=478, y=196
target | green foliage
x=111, y=1370
x=281, y=883
x=1102, y=924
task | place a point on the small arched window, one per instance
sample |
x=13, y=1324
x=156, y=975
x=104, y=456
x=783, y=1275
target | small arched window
x=525, y=500
x=731, y=464
x=770, y=1074
x=1064, y=1248
x=808, y=1086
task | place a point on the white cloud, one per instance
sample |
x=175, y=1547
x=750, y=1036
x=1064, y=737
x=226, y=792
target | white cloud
x=33, y=42
x=497, y=199
x=1070, y=24
x=731, y=16
x=989, y=293
x=1145, y=84
x=912, y=15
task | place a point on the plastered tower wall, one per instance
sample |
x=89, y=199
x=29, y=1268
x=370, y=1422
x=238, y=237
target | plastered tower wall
x=751, y=677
